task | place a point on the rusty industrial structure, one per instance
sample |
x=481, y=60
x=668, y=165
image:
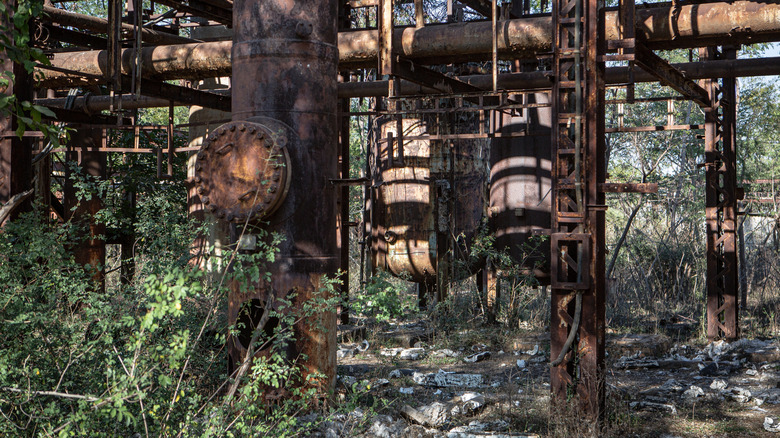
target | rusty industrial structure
x=492, y=119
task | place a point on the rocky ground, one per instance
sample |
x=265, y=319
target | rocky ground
x=403, y=381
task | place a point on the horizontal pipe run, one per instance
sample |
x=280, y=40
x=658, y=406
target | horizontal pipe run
x=100, y=25
x=508, y=81
x=720, y=23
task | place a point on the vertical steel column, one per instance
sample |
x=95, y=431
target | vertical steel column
x=578, y=230
x=90, y=250
x=343, y=220
x=284, y=73
x=15, y=154
x=721, y=204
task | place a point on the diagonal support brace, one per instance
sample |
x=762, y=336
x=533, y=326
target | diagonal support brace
x=669, y=75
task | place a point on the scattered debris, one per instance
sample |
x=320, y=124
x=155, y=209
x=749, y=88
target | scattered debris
x=521, y=364
x=771, y=424
x=635, y=361
x=408, y=391
x=718, y=384
x=660, y=407
x=445, y=353
x=412, y=354
x=738, y=394
x=433, y=415
x=693, y=392
x=477, y=357
x=532, y=352
x=445, y=379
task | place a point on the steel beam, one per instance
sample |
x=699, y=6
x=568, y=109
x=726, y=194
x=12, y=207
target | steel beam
x=721, y=205
x=577, y=323
x=16, y=173
x=99, y=25
x=668, y=75
x=471, y=41
x=221, y=13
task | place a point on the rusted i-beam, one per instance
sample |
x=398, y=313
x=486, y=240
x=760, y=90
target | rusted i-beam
x=721, y=204
x=697, y=25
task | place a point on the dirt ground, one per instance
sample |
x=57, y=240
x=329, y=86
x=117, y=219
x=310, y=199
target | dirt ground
x=406, y=380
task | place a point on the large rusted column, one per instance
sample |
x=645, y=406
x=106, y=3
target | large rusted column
x=577, y=343
x=275, y=162
x=90, y=249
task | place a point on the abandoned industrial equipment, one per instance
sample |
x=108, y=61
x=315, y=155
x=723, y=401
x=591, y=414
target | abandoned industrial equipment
x=218, y=216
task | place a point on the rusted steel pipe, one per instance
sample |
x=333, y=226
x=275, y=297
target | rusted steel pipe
x=96, y=24
x=515, y=81
x=739, y=22
x=286, y=59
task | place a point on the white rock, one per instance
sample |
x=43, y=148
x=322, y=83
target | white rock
x=477, y=357
x=751, y=372
x=406, y=390
x=471, y=401
x=532, y=352
x=445, y=379
x=446, y=353
x=718, y=384
x=412, y=354
x=521, y=363
x=693, y=392
x=434, y=414
x=771, y=424
x=390, y=352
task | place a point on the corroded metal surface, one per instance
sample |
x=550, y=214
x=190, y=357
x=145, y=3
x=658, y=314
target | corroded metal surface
x=721, y=204
x=285, y=69
x=425, y=194
x=242, y=172
x=90, y=248
x=520, y=186
x=695, y=25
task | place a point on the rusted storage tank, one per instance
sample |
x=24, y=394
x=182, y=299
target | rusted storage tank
x=428, y=198
x=520, y=183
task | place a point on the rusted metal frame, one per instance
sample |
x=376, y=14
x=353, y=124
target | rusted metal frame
x=100, y=25
x=16, y=172
x=578, y=256
x=721, y=206
x=178, y=93
x=419, y=16
x=628, y=187
x=113, y=73
x=668, y=75
x=419, y=74
x=202, y=9
x=627, y=31
x=344, y=174
x=76, y=38
x=171, y=145
x=656, y=128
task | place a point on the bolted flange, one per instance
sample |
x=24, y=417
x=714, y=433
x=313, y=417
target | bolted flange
x=243, y=171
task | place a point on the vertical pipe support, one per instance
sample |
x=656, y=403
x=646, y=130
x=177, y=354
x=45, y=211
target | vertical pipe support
x=578, y=210
x=721, y=203
x=15, y=153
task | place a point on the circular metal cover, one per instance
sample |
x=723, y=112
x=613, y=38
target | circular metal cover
x=242, y=172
